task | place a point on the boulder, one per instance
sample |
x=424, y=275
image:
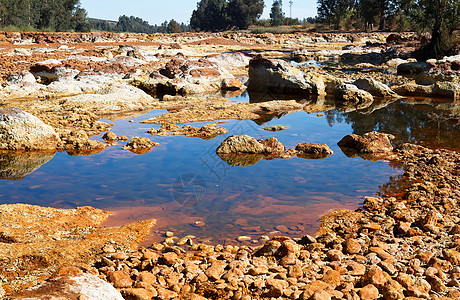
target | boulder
x=20, y=130
x=236, y=62
x=244, y=144
x=23, y=78
x=110, y=98
x=80, y=286
x=350, y=94
x=182, y=76
x=371, y=142
x=276, y=76
x=375, y=87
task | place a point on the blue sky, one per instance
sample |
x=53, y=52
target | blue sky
x=156, y=11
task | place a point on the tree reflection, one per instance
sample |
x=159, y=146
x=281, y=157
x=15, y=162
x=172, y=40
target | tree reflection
x=430, y=124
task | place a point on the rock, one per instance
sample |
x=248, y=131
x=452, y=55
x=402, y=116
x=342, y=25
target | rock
x=350, y=94
x=375, y=88
x=182, y=76
x=419, y=288
x=411, y=68
x=269, y=248
x=276, y=287
x=231, y=60
x=169, y=258
x=249, y=145
x=120, y=279
x=22, y=52
x=274, y=128
x=436, y=284
x=276, y=76
x=109, y=136
x=206, y=132
x=315, y=150
x=103, y=98
x=50, y=71
x=332, y=278
x=448, y=90
x=20, y=130
x=371, y=142
x=165, y=294
x=392, y=290
x=451, y=255
x=83, y=286
x=321, y=295
x=311, y=288
x=138, y=294
x=352, y=246
x=78, y=142
x=355, y=58
x=140, y=145
x=375, y=276
x=368, y=292
x=231, y=84
x=21, y=79
x=216, y=270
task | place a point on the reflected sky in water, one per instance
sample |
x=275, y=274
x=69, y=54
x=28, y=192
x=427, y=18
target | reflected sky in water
x=183, y=181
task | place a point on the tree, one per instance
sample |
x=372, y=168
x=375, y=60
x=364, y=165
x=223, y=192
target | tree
x=334, y=12
x=376, y=11
x=58, y=15
x=80, y=20
x=244, y=13
x=276, y=14
x=173, y=26
x=441, y=17
x=210, y=15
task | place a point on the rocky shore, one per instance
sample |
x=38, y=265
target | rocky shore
x=55, y=88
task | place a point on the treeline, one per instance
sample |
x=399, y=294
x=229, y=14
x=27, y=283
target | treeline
x=439, y=17
x=46, y=15
x=138, y=25
x=217, y=15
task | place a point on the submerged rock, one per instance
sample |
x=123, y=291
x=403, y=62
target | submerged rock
x=20, y=130
x=371, y=142
x=236, y=144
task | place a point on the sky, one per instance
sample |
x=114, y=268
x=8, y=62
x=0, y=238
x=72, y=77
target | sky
x=157, y=11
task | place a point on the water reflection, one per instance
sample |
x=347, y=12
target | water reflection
x=16, y=166
x=434, y=124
